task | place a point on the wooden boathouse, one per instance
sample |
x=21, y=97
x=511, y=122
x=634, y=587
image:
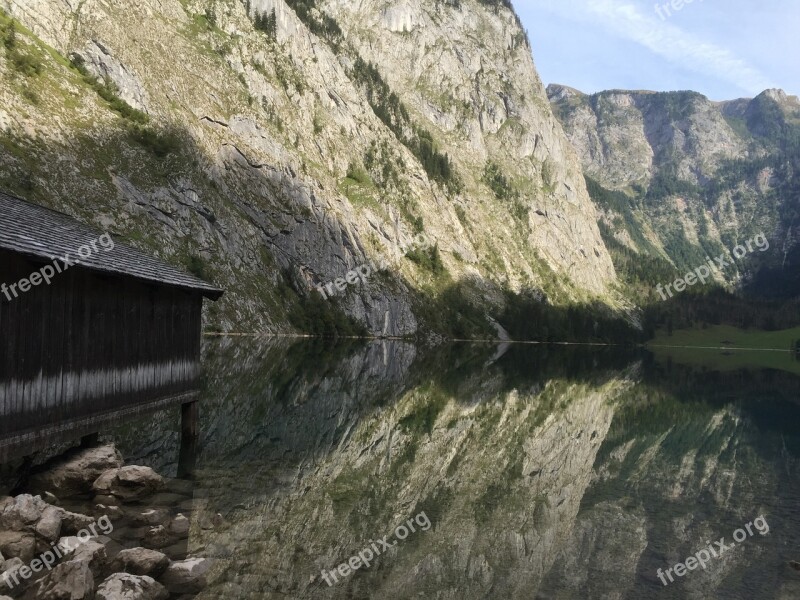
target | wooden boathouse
x=88, y=326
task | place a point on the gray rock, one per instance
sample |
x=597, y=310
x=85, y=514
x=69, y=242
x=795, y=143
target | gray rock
x=49, y=526
x=100, y=62
x=179, y=526
x=141, y=561
x=152, y=516
x=186, y=575
x=157, y=537
x=75, y=472
x=129, y=483
x=17, y=544
x=10, y=571
x=68, y=544
x=72, y=523
x=124, y=586
x=71, y=580
x=22, y=513
x=11, y=564
x=93, y=553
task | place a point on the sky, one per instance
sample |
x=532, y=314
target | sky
x=724, y=49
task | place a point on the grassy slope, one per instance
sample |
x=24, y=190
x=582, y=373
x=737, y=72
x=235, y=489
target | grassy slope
x=711, y=348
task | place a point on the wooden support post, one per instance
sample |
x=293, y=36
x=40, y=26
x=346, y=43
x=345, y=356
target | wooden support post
x=190, y=433
x=190, y=420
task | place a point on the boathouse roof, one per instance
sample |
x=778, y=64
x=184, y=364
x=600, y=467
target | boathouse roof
x=45, y=234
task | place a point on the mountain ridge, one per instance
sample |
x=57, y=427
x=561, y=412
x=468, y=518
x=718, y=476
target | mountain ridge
x=276, y=149
x=693, y=177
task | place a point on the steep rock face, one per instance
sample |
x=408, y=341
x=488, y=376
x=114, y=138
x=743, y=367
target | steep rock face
x=482, y=100
x=626, y=138
x=259, y=159
x=700, y=176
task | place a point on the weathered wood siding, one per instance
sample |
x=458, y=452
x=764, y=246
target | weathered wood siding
x=88, y=344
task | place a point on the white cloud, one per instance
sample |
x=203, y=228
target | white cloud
x=679, y=47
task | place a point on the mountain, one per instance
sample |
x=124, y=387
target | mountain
x=679, y=178
x=273, y=146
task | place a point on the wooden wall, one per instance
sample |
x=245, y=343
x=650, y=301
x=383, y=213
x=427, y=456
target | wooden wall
x=89, y=343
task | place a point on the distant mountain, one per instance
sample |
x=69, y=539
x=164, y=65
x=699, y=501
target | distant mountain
x=678, y=178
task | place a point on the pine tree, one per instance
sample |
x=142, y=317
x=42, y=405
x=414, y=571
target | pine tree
x=268, y=23
x=271, y=25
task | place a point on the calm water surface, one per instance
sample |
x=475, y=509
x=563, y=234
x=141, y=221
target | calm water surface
x=542, y=472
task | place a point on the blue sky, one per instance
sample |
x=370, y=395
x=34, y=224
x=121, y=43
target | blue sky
x=724, y=49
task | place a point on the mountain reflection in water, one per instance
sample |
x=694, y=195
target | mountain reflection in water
x=566, y=472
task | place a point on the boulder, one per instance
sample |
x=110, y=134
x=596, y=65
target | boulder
x=186, y=576
x=49, y=525
x=11, y=564
x=68, y=544
x=72, y=522
x=124, y=586
x=179, y=526
x=152, y=517
x=71, y=580
x=11, y=576
x=128, y=483
x=21, y=513
x=157, y=537
x=74, y=472
x=93, y=553
x=141, y=561
x=18, y=544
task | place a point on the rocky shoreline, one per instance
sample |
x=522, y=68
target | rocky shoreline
x=86, y=526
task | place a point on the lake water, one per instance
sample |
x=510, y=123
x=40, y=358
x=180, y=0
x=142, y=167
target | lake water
x=526, y=472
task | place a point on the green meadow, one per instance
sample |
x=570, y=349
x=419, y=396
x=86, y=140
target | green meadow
x=726, y=348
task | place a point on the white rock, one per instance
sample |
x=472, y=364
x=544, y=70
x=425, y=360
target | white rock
x=124, y=586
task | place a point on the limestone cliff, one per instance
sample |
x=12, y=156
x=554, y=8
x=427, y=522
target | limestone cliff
x=696, y=175
x=273, y=146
